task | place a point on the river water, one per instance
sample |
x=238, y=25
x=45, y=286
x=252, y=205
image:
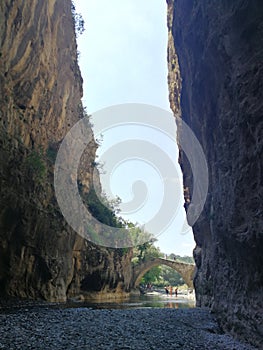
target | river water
x=149, y=300
x=154, y=300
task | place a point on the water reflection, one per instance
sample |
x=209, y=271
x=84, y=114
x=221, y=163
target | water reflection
x=144, y=301
x=157, y=300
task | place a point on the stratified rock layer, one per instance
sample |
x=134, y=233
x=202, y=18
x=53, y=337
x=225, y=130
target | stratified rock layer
x=219, y=48
x=40, y=100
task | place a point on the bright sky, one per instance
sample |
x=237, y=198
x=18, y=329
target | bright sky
x=123, y=59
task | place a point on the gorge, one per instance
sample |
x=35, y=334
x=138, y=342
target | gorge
x=215, y=61
x=40, y=99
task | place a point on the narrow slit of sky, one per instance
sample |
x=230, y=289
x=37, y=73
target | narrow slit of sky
x=123, y=59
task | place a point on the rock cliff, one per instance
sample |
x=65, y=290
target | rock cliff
x=215, y=57
x=40, y=100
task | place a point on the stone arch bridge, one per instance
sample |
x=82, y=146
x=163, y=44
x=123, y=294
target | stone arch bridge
x=185, y=270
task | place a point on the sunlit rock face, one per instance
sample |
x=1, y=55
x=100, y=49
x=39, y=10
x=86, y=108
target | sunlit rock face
x=215, y=56
x=40, y=100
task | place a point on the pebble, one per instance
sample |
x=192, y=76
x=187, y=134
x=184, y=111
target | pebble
x=102, y=329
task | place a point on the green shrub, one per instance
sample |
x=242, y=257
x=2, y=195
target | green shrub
x=36, y=165
x=51, y=153
x=100, y=209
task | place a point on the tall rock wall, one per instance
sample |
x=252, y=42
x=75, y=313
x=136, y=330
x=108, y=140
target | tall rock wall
x=215, y=56
x=40, y=100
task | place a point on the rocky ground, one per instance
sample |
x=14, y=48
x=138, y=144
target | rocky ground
x=45, y=327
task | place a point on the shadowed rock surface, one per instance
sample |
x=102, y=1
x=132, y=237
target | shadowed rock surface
x=40, y=100
x=215, y=59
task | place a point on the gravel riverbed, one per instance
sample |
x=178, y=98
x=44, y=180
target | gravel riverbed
x=103, y=329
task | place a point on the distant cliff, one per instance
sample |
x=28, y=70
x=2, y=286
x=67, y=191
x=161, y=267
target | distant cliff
x=215, y=57
x=40, y=100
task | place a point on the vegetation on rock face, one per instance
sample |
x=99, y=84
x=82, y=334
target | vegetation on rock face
x=102, y=209
x=36, y=165
x=106, y=212
x=51, y=152
x=78, y=20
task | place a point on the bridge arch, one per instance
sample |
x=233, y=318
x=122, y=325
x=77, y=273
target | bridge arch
x=185, y=270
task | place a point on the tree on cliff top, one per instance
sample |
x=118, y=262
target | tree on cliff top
x=77, y=20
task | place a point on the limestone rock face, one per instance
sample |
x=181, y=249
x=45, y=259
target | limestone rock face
x=40, y=100
x=219, y=81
